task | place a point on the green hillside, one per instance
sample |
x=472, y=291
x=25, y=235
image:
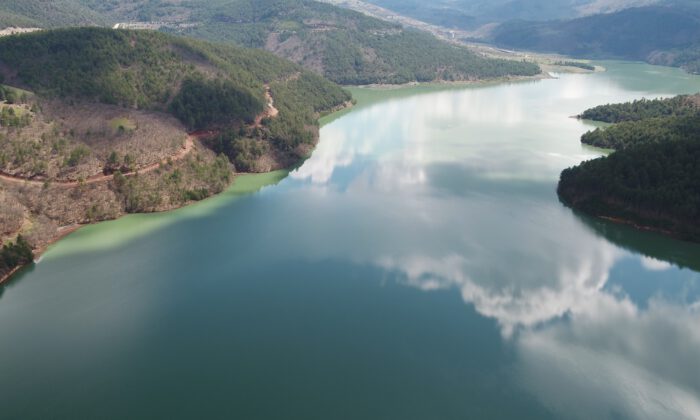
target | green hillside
x=205, y=86
x=653, y=179
x=644, y=122
x=47, y=13
x=654, y=185
x=345, y=46
x=629, y=134
x=644, y=108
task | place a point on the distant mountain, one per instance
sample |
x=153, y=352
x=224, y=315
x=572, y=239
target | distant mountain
x=346, y=47
x=470, y=14
x=47, y=13
x=667, y=35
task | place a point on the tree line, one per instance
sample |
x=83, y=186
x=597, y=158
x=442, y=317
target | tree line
x=646, y=131
x=653, y=177
x=654, y=185
x=682, y=105
x=345, y=46
x=15, y=254
x=206, y=86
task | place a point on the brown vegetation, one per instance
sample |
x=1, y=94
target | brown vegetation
x=40, y=211
x=72, y=143
x=134, y=161
x=82, y=163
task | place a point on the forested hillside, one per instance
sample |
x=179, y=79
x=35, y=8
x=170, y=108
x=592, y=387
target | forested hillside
x=654, y=186
x=47, y=14
x=95, y=122
x=629, y=134
x=653, y=178
x=668, y=35
x=644, y=108
x=345, y=46
x=203, y=85
x=644, y=122
x=13, y=255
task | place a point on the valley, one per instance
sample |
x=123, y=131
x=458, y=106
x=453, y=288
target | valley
x=345, y=46
x=473, y=39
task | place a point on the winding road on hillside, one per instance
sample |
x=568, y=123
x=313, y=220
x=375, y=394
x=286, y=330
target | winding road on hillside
x=97, y=178
x=270, y=112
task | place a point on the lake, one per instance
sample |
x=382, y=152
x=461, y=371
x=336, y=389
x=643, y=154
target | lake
x=418, y=266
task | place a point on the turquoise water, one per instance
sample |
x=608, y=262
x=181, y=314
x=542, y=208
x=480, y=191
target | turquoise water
x=418, y=266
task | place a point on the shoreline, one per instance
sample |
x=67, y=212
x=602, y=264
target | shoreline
x=644, y=228
x=67, y=230
x=544, y=75
x=7, y=277
x=64, y=231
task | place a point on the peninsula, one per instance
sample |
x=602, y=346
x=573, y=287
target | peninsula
x=651, y=181
x=96, y=123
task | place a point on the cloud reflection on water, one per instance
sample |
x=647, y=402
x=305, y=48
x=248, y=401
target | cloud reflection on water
x=613, y=358
x=497, y=234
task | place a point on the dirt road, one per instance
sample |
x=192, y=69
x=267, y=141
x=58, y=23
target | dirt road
x=181, y=154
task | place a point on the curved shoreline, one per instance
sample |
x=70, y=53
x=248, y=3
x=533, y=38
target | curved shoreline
x=544, y=75
x=64, y=231
x=269, y=112
x=636, y=226
x=6, y=278
x=642, y=228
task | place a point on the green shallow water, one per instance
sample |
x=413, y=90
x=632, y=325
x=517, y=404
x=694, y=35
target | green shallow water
x=418, y=266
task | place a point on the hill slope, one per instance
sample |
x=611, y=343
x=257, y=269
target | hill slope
x=653, y=186
x=345, y=46
x=100, y=126
x=644, y=108
x=205, y=86
x=47, y=13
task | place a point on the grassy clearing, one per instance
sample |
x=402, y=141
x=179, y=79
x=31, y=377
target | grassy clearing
x=19, y=92
x=122, y=124
x=18, y=110
x=289, y=25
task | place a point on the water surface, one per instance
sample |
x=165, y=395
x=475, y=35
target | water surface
x=418, y=266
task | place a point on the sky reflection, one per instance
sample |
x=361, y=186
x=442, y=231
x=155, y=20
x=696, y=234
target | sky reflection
x=474, y=171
